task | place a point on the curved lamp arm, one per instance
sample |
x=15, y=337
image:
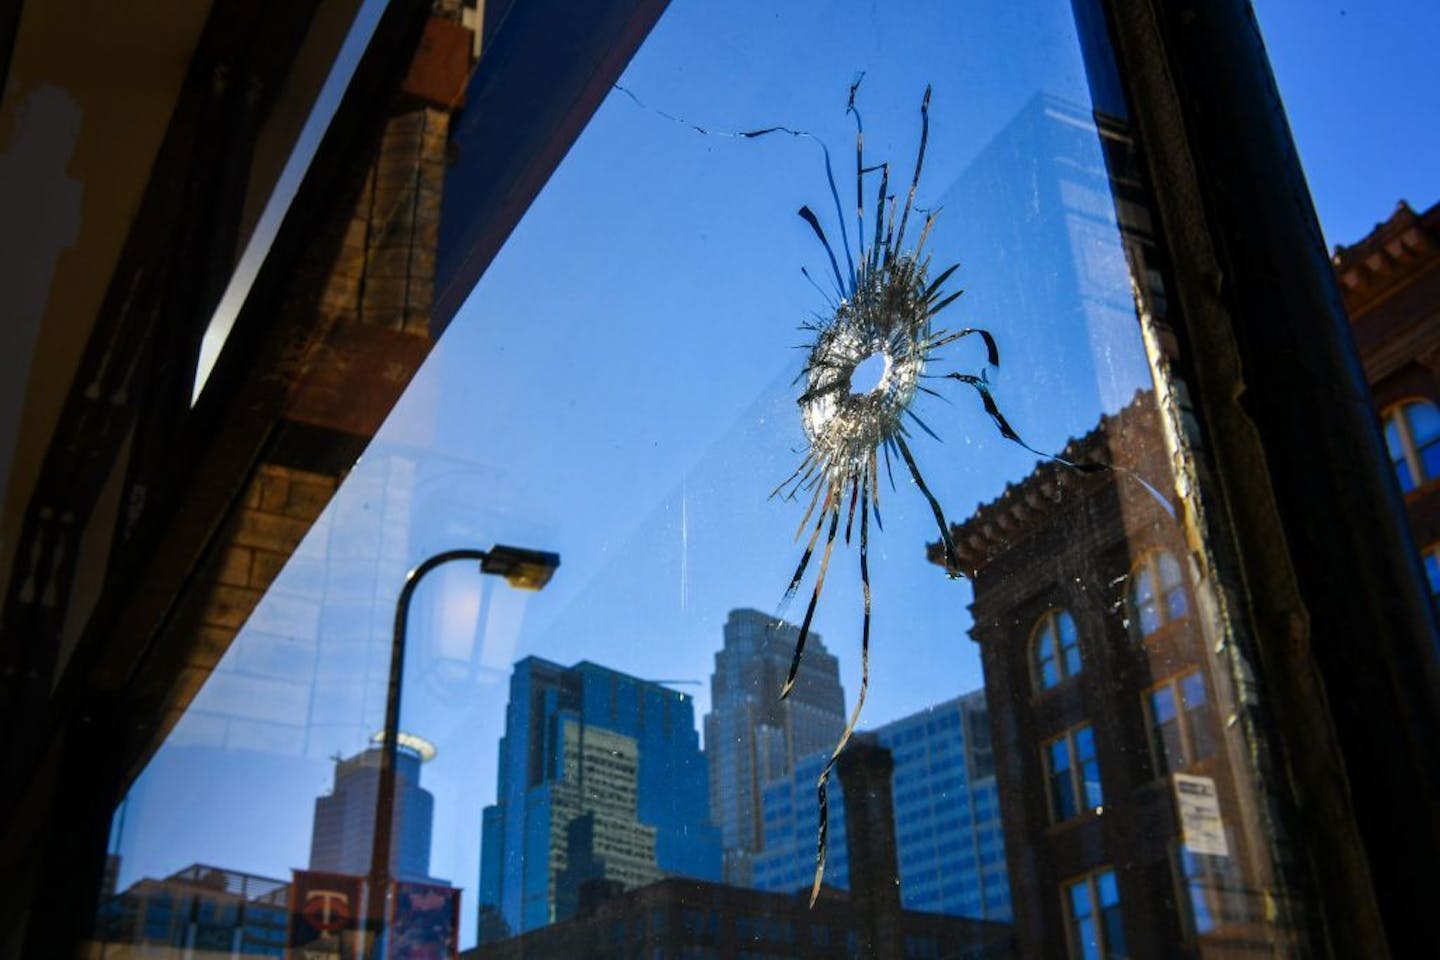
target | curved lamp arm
x=521, y=568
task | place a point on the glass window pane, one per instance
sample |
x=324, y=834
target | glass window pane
x=1165, y=731
x=1162, y=705
x=1393, y=443
x=1061, y=782
x=1202, y=914
x=1072, y=660
x=1430, y=459
x=1192, y=690
x=1069, y=643
x=1170, y=575
x=1172, y=585
x=1114, y=933
x=625, y=727
x=1088, y=767
x=1149, y=614
x=1396, y=446
x=1068, y=634
x=1047, y=667
x=1059, y=756
x=1177, y=604
x=1144, y=585
x=1424, y=421
x=1090, y=777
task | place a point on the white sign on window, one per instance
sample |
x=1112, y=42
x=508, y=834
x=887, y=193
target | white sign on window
x=1201, y=827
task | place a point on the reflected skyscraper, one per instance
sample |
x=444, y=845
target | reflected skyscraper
x=949, y=841
x=601, y=779
x=344, y=827
x=752, y=736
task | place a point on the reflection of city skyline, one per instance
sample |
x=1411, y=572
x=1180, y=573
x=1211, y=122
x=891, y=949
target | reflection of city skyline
x=460, y=662
x=1083, y=525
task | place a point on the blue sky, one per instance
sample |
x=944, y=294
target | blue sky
x=617, y=389
x=1357, y=78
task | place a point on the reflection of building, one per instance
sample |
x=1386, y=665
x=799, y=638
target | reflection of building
x=344, y=828
x=1391, y=283
x=686, y=918
x=752, y=736
x=1040, y=228
x=949, y=842
x=1102, y=699
x=596, y=766
x=595, y=833
x=201, y=910
x=302, y=674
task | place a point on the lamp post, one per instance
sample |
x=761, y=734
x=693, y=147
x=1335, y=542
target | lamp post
x=521, y=568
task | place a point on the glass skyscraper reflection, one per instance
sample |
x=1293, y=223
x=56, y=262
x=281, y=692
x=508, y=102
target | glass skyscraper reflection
x=344, y=826
x=949, y=843
x=752, y=736
x=601, y=779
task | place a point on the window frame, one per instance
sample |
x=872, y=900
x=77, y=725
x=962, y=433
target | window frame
x=1150, y=568
x=1078, y=784
x=1223, y=889
x=1410, y=453
x=1048, y=626
x=1186, y=718
x=1090, y=881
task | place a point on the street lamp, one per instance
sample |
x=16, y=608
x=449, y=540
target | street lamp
x=522, y=569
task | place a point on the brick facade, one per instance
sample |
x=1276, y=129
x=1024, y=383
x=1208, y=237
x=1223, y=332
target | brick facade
x=1390, y=280
x=355, y=328
x=1058, y=541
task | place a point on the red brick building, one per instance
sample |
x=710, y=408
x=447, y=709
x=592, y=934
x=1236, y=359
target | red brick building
x=1108, y=703
x=1391, y=283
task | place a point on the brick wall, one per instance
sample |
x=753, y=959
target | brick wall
x=355, y=328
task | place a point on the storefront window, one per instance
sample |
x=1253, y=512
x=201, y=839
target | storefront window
x=629, y=759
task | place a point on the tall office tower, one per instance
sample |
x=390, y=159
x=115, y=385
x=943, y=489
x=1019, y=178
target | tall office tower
x=599, y=766
x=950, y=845
x=344, y=827
x=752, y=736
x=595, y=831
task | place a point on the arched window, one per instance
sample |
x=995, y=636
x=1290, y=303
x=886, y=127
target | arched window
x=1412, y=435
x=1055, y=649
x=1157, y=593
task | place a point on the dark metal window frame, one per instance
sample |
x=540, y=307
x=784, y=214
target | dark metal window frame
x=1302, y=514
x=1303, y=520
